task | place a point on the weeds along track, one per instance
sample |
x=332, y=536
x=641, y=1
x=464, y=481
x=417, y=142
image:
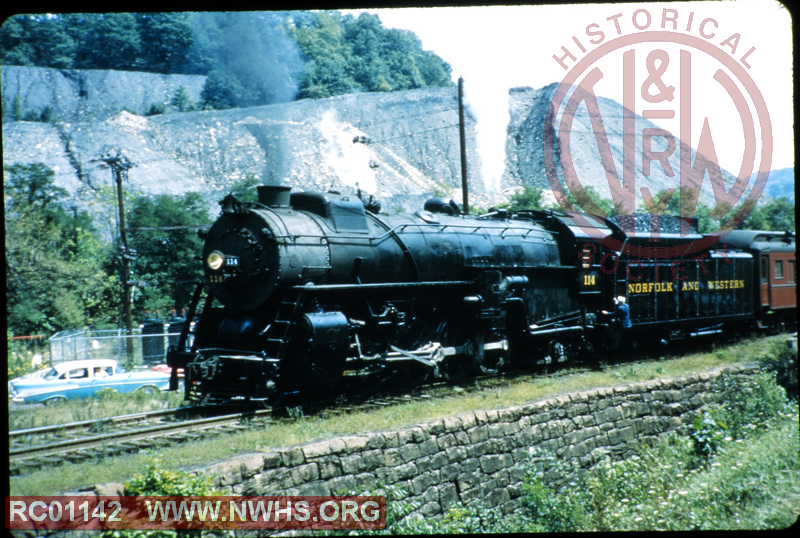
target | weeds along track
x=32, y=448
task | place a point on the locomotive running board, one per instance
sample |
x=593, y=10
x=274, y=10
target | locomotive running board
x=535, y=332
x=387, y=285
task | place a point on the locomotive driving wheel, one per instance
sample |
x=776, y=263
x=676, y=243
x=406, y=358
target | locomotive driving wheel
x=483, y=363
x=558, y=351
x=474, y=350
x=469, y=342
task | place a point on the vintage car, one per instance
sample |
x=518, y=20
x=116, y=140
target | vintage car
x=74, y=380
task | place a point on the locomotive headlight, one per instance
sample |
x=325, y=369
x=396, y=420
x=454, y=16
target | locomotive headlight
x=215, y=260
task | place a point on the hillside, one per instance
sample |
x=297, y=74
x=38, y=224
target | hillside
x=73, y=95
x=781, y=183
x=398, y=146
x=524, y=147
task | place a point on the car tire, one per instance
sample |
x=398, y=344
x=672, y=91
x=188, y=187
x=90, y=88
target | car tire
x=148, y=390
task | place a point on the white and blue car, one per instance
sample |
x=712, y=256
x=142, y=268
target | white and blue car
x=73, y=380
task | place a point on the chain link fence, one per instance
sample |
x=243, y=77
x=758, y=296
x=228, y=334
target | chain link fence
x=146, y=346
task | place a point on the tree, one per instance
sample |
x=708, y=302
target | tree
x=17, y=49
x=165, y=40
x=528, y=198
x=255, y=58
x=435, y=71
x=682, y=202
x=54, y=260
x=391, y=59
x=112, y=42
x=181, y=100
x=17, y=112
x=220, y=91
x=165, y=266
x=320, y=38
x=586, y=199
x=363, y=35
x=43, y=40
x=245, y=190
x=776, y=214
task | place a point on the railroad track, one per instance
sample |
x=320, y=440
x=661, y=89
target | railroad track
x=50, y=434
x=35, y=447
x=74, y=442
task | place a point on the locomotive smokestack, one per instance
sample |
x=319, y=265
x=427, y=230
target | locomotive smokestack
x=274, y=195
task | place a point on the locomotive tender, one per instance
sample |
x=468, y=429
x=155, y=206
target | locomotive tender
x=308, y=292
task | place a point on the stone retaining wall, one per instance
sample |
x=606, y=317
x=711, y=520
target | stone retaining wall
x=477, y=455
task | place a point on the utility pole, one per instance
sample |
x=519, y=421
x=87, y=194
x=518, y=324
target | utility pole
x=463, y=139
x=120, y=165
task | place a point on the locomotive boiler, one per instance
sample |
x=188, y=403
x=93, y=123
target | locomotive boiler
x=307, y=290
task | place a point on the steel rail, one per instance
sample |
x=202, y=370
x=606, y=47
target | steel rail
x=121, y=437
x=60, y=429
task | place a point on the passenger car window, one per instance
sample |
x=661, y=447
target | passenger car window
x=78, y=373
x=778, y=269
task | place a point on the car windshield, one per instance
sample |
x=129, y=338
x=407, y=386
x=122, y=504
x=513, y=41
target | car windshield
x=51, y=374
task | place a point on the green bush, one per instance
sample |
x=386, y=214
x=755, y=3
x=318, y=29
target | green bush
x=156, y=480
x=707, y=434
x=17, y=111
x=746, y=483
x=460, y=519
x=18, y=359
x=782, y=360
x=182, y=101
x=107, y=394
x=156, y=109
x=548, y=504
x=747, y=402
x=47, y=114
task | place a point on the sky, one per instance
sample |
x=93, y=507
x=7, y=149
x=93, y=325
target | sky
x=495, y=48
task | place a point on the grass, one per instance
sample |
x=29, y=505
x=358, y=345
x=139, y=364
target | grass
x=111, y=404
x=752, y=483
x=71, y=477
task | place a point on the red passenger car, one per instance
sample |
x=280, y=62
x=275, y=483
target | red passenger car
x=775, y=275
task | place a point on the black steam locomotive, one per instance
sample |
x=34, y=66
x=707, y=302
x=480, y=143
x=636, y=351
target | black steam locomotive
x=309, y=292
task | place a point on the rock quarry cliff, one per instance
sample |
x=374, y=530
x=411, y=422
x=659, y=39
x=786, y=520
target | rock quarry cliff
x=400, y=147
